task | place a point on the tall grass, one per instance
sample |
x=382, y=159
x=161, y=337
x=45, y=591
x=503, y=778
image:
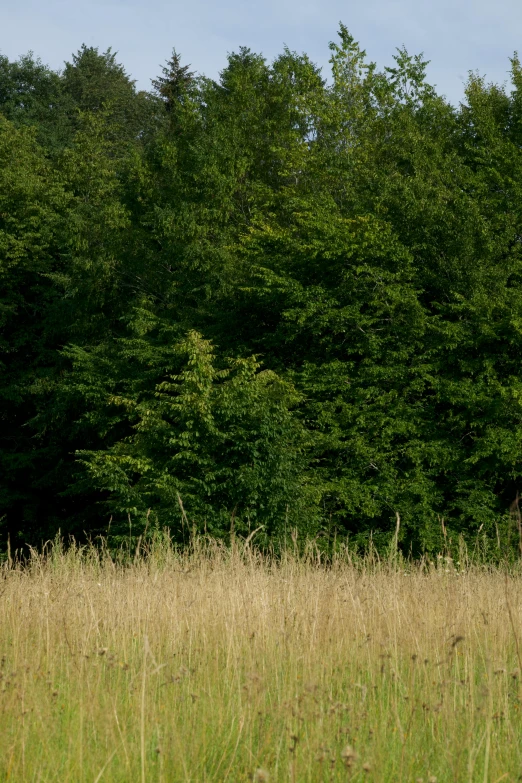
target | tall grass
x=221, y=664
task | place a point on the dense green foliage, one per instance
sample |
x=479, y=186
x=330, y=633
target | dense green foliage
x=274, y=300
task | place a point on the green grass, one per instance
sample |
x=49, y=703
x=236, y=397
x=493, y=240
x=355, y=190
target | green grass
x=222, y=665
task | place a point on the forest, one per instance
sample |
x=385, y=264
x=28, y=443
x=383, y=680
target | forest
x=283, y=301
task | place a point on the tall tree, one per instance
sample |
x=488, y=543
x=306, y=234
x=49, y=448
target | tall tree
x=31, y=94
x=96, y=82
x=174, y=82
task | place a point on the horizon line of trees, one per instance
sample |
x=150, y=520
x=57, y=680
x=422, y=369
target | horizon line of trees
x=269, y=298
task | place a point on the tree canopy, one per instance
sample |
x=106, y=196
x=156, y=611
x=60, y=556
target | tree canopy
x=277, y=300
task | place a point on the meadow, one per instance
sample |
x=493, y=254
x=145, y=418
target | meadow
x=223, y=664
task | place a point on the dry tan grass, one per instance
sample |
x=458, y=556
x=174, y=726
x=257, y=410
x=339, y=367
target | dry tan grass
x=223, y=666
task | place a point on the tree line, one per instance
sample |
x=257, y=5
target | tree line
x=276, y=300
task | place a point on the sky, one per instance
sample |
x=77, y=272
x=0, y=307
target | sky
x=457, y=36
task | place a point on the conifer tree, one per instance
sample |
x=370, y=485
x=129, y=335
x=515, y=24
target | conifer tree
x=174, y=83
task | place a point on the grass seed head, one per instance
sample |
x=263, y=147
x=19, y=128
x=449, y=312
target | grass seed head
x=348, y=755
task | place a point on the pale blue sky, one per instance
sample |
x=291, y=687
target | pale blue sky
x=456, y=35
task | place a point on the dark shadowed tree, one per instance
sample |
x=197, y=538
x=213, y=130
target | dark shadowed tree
x=175, y=81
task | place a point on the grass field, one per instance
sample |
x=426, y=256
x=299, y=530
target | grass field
x=221, y=665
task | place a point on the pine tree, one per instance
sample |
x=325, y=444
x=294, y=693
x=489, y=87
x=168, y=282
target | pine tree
x=175, y=82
